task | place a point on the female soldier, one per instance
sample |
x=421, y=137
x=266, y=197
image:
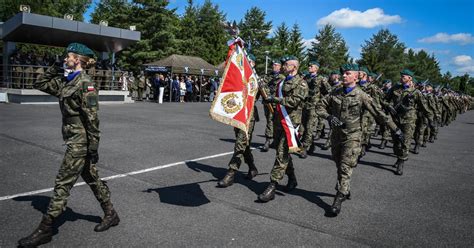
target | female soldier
x=78, y=101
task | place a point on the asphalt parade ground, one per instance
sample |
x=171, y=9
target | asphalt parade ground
x=162, y=163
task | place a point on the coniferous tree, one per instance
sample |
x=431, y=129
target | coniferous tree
x=384, y=53
x=329, y=49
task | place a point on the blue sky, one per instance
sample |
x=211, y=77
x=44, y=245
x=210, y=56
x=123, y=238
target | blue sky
x=445, y=28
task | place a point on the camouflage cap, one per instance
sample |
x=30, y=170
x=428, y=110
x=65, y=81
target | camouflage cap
x=313, y=62
x=349, y=67
x=407, y=72
x=80, y=49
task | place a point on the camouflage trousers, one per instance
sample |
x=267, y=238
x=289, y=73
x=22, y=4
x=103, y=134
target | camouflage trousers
x=401, y=149
x=140, y=93
x=345, y=154
x=75, y=164
x=242, y=151
x=368, y=129
x=269, y=117
x=308, y=124
x=319, y=125
x=421, y=127
x=385, y=131
x=283, y=162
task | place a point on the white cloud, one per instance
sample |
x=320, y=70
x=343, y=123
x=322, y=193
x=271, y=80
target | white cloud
x=347, y=18
x=461, y=38
x=462, y=60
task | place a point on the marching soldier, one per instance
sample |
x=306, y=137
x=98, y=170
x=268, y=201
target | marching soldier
x=309, y=118
x=335, y=82
x=289, y=98
x=343, y=109
x=270, y=88
x=242, y=151
x=385, y=132
x=404, y=101
x=78, y=100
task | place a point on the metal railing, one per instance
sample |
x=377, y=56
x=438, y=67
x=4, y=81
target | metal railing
x=23, y=77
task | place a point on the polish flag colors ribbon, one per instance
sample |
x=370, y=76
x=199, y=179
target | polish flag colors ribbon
x=291, y=132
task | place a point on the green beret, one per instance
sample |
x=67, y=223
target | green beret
x=372, y=74
x=252, y=57
x=80, y=49
x=284, y=59
x=387, y=81
x=276, y=61
x=313, y=62
x=349, y=67
x=408, y=73
x=335, y=72
x=364, y=69
x=291, y=57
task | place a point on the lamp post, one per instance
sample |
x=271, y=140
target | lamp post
x=266, y=62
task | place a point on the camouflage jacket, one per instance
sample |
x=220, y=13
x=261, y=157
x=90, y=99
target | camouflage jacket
x=349, y=108
x=294, y=92
x=433, y=104
x=78, y=101
x=316, y=85
x=271, y=81
x=408, y=102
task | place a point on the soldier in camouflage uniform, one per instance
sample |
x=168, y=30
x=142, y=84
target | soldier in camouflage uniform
x=270, y=87
x=403, y=101
x=141, y=86
x=431, y=132
x=385, y=132
x=343, y=109
x=422, y=121
x=293, y=91
x=309, y=118
x=242, y=151
x=78, y=100
x=335, y=82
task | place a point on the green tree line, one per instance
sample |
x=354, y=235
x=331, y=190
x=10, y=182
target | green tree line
x=199, y=32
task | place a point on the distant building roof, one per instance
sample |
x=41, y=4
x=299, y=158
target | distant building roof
x=52, y=31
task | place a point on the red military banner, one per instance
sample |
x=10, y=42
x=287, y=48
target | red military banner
x=233, y=104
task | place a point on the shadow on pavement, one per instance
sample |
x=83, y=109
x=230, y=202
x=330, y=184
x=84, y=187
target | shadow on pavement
x=253, y=144
x=40, y=203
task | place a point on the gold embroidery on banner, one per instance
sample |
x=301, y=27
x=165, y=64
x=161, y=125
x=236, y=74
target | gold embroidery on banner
x=230, y=103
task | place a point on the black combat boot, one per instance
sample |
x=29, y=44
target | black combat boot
x=417, y=149
x=317, y=136
x=423, y=144
x=399, y=166
x=432, y=139
x=337, y=204
x=311, y=148
x=110, y=218
x=228, y=179
x=292, y=183
x=269, y=193
x=303, y=153
x=266, y=146
x=383, y=144
x=42, y=235
x=323, y=134
x=252, y=171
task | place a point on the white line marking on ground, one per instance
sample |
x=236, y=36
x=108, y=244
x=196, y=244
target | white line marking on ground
x=120, y=175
